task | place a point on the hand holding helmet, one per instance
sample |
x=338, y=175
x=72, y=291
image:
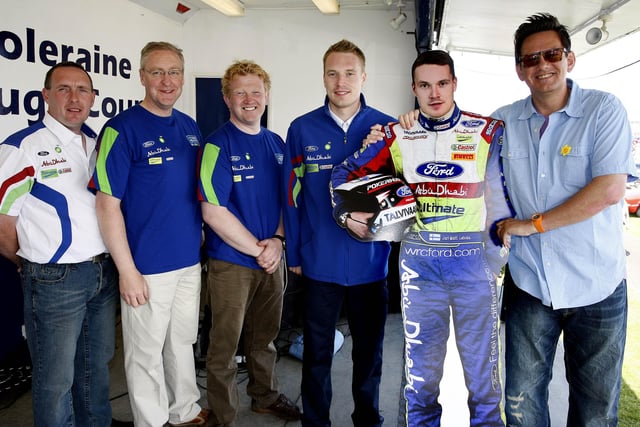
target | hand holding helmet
x=377, y=207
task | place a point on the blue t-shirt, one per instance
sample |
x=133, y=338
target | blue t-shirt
x=242, y=172
x=149, y=163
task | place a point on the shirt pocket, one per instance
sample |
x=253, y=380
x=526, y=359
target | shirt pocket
x=574, y=167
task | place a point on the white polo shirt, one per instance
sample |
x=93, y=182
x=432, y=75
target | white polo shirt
x=44, y=173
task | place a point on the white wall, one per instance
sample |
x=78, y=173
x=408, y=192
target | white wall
x=118, y=27
x=289, y=45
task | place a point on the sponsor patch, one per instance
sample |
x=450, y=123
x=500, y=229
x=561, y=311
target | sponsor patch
x=155, y=160
x=472, y=123
x=464, y=137
x=43, y=153
x=193, y=140
x=312, y=167
x=148, y=144
x=237, y=178
x=53, y=162
x=463, y=147
x=463, y=156
x=439, y=170
x=48, y=173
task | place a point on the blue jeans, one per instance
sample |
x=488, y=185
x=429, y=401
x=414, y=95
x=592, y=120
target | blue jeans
x=366, y=307
x=594, y=340
x=69, y=314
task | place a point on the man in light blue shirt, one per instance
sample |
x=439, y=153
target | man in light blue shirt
x=567, y=155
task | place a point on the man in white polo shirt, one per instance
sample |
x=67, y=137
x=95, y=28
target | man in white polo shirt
x=49, y=228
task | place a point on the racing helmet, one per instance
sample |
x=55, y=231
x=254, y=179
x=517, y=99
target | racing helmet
x=389, y=199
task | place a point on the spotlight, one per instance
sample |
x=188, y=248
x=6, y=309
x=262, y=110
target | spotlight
x=398, y=20
x=595, y=35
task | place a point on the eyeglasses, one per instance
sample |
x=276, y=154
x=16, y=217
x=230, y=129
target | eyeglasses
x=174, y=74
x=549, y=55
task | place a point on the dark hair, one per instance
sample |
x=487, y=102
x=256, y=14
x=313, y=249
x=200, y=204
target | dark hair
x=536, y=24
x=49, y=75
x=436, y=57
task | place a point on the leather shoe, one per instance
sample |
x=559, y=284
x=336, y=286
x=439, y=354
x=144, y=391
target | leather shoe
x=199, y=420
x=282, y=408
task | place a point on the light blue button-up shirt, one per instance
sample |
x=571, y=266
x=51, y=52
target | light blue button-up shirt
x=579, y=264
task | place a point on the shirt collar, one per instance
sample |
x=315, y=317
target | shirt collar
x=573, y=108
x=441, y=124
x=64, y=135
x=344, y=124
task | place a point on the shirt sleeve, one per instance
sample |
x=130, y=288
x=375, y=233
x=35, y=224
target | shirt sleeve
x=113, y=163
x=215, y=183
x=497, y=203
x=293, y=177
x=17, y=176
x=613, y=137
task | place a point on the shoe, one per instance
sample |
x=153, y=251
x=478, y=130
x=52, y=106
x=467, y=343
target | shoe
x=199, y=420
x=118, y=423
x=281, y=408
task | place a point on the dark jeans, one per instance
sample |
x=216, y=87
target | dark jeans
x=69, y=314
x=366, y=308
x=594, y=340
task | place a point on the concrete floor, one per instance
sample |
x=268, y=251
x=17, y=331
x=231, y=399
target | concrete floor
x=453, y=396
x=453, y=392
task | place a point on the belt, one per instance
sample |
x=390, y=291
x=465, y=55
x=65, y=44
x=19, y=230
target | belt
x=100, y=258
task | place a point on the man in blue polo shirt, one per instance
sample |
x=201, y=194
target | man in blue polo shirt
x=240, y=175
x=150, y=219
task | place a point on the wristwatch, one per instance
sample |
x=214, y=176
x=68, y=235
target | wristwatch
x=282, y=239
x=342, y=219
x=536, y=218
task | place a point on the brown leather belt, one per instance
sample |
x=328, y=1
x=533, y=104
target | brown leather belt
x=100, y=258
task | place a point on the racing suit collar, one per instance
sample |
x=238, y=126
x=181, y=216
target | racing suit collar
x=440, y=124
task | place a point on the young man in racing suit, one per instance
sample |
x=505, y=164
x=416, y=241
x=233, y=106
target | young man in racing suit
x=448, y=259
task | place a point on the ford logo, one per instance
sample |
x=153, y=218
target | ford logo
x=439, y=170
x=472, y=123
x=310, y=148
x=235, y=158
x=404, y=191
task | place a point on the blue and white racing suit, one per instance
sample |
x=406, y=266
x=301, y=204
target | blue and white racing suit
x=448, y=259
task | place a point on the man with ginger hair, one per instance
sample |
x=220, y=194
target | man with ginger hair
x=240, y=176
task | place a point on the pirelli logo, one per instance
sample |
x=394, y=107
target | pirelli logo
x=463, y=156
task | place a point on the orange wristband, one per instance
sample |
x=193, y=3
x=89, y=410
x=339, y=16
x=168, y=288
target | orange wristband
x=537, y=222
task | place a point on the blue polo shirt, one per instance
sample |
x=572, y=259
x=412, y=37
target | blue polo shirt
x=242, y=172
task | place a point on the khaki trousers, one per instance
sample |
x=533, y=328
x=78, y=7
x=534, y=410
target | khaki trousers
x=242, y=297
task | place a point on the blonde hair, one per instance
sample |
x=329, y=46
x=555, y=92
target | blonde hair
x=344, y=46
x=244, y=68
x=155, y=46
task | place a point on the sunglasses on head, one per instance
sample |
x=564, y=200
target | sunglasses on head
x=549, y=55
